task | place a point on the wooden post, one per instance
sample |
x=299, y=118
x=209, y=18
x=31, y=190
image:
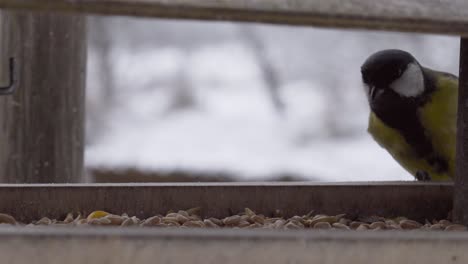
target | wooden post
x=460, y=204
x=41, y=124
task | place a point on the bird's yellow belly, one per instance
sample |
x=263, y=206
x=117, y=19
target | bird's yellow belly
x=401, y=151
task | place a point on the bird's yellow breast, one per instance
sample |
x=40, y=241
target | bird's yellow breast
x=394, y=142
x=438, y=117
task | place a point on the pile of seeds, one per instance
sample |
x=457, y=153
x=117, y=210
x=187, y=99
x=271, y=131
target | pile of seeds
x=247, y=219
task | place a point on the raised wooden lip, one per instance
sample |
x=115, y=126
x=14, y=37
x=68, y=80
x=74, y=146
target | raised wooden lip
x=225, y=234
x=415, y=200
x=230, y=184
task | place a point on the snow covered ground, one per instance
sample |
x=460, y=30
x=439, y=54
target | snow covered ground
x=231, y=124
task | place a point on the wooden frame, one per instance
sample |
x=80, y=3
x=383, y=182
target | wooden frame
x=444, y=17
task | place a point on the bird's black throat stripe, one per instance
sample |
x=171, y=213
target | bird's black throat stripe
x=401, y=113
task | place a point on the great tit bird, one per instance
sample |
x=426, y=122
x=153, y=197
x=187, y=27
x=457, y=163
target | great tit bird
x=413, y=113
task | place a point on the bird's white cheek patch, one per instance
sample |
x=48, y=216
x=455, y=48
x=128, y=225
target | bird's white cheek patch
x=410, y=83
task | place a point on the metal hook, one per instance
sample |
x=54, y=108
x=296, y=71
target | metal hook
x=11, y=86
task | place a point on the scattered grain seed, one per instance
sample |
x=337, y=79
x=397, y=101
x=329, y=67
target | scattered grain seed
x=371, y=219
x=78, y=217
x=243, y=223
x=322, y=225
x=362, y=227
x=258, y=219
x=173, y=224
x=152, y=221
x=172, y=215
x=44, y=221
x=194, y=218
x=445, y=223
x=344, y=221
x=114, y=219
x=279, y=223
x=68, y=218
x=232, y=220
x=455, y=227
x=181, y=219
x=409, y=224
x=297, y=219
x=339, y=216
x=426, y=226
x=269, y=220
x=394, y=227
x=318, y=216
x=291, y=226
x=81, y=222
x=94, y=221
x=209, y=223
x=194, y=211
x=97, y=214
x=184, y=213
x=436, y=227
x=127, y=222
x=249, y=212
x=399, y=219
x=340, y=226
x=378, y=224
x=328, y=219
x=216, y=221
x=298, y=223
x=136, y=220
x=244, y=218
x=194, y=224
x=7, y=219
x=355, y=224
x=168, y=219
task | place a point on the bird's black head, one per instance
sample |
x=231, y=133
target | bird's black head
x=390, y=74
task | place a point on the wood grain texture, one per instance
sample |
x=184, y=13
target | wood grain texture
x=460, y=210
x=414, y=200
x=41, y=124
x=227, y=246
x=431, y=16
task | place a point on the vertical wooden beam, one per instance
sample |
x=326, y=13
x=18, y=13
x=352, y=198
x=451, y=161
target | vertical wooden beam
x=41, y=124
x=460, y=210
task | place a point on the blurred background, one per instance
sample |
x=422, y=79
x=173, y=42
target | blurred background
x=203, y=101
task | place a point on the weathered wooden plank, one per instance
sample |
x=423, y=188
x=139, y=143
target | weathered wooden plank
x=414, y=200
x=461, y=178
x=42, y=122
x=227, y=246
x=446, y=17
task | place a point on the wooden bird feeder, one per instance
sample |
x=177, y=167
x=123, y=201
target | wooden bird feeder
x=42, y=67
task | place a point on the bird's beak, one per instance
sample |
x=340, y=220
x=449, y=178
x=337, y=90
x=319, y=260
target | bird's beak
x=375, y=93
x=372, y=92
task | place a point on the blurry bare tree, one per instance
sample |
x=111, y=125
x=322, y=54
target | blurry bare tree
x=284, y=55
x=100, y=39
x=270, y=75
x=182, y=96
